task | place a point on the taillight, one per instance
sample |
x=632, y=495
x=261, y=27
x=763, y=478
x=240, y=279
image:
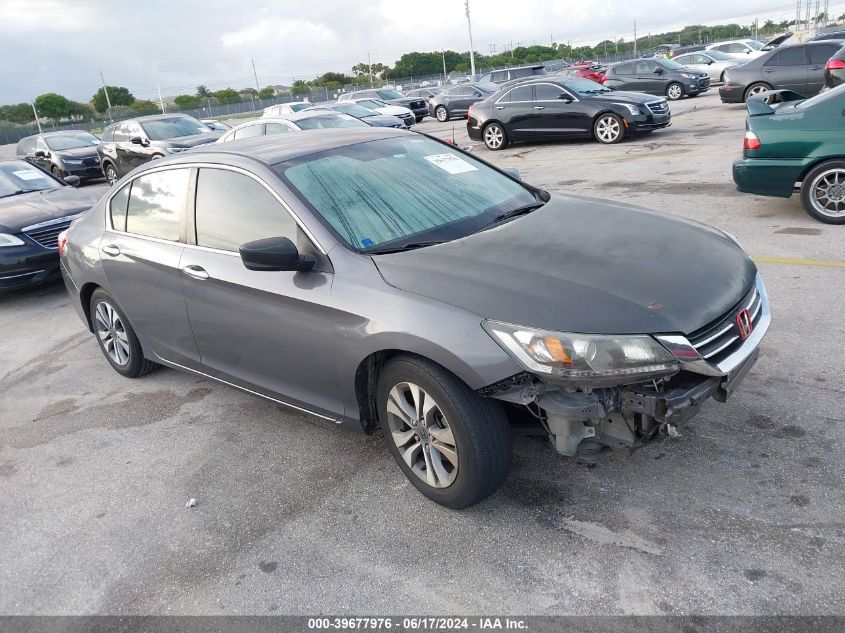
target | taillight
x=62, y=242
x=835, y=64
x=752, y=141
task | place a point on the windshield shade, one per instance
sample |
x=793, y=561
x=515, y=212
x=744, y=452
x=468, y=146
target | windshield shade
x=71, y=141
x=389, y=190
x=17, y=176
x=160, y=129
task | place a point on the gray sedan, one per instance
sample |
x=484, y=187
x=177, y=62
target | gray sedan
x=714, y=63
x=379, y=278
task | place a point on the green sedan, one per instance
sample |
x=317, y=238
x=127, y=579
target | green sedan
x=801, y=141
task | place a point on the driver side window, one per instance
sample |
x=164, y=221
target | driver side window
x=644, y=68
x=232, y=209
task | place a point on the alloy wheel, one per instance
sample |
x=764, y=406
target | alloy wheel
x=608, y=129
x=674, y=92
x=422, y=434
x=111, y=174
x=494, y=136
x=111, y=333
x=758, y=90
x=827, y=193
x=441, y=114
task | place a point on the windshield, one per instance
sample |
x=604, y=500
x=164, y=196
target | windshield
x=668, y=64
x=373, y=103
x=390, y=94
x=355, y=110
x=755, y=44
x=71, y=141
x=719, y=56
x=296, y=107
x=486, y=87
x=174, y=127
x=582, y=86
x=404, y=189
x=328, y=120
x=18, y=176
x=834, y=95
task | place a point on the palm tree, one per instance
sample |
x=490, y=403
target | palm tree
x=203, y=91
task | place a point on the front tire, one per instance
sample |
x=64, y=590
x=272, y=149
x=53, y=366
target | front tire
x=110, y=173
x=441, y=113
x=609, y=128
x=674, y=91
x=57, y=172
x=116, y=338
x=823, y=192
x=495, y=137
x=419, y=119
x=453, y=445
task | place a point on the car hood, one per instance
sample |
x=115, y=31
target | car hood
x=583, y=265
x=393, y=110
x=27, y=209
x=383, y=121
x=76, y=153
x=189, y=141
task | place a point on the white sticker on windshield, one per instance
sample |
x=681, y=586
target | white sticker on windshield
x=450, y=163
x=28, y=174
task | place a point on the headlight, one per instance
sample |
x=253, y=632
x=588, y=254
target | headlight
x=634, y=110
x=688, y=76
x=584, y=358
x=10, y=240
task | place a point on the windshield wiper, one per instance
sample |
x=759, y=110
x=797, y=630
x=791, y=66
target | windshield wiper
x=408, y=246
x=19, y=191
x=528, y=208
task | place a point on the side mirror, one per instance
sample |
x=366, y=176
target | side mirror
x=565, y=97
x=40, y=154
x=273, y=254
x=137, y=140
x=658, y=71
x=73, y=181
x=513, y=172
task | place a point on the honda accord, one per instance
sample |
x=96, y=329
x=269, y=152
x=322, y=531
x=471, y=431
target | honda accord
x=379, y=278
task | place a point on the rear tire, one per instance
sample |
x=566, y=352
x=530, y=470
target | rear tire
x=674, y=91
x=116, y=338
x=441, y=113
x=453, y=445
x=823, y=192
x=495, y=137
x=755, y=89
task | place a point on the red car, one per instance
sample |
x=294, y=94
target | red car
x=588, y=70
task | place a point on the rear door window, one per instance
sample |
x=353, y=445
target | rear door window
x=157, y=204
x=232, y=209
x=249, y=131
x=793, y=56
x=624, y=69
x=276, y=128
x=520, y=94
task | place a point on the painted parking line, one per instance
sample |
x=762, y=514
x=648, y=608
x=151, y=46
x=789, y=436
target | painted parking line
x=789, y=261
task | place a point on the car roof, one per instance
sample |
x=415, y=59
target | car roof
x=55, y=133
x=269, y=150
x=152, y=117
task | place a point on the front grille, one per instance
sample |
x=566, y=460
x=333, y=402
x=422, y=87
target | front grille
x=721, y=338
x=704, y=83
x=417, y=104
x=48, y=236
x=658, y=107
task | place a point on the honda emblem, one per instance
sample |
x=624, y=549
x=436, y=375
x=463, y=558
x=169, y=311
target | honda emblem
x=744, y=324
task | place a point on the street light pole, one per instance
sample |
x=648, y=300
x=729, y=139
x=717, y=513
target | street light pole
x=255, y=74
x=471, y=51
x=35, y=112
x=106, y=91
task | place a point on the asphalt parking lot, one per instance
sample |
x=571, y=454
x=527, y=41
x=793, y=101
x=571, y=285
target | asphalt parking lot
x=742, y=514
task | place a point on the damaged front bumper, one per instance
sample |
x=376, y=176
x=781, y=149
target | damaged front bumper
x=621, y=417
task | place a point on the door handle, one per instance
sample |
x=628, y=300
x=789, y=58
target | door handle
x=768, y=70
x=197, y=272
x=111, y=249
x=500, y=107
x=539, y=107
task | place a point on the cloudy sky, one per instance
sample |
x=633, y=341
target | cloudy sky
x=60, y=46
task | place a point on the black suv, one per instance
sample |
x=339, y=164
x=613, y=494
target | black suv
x=133, y=142
x=416, y=105
x=657, y=77
x=66, y=153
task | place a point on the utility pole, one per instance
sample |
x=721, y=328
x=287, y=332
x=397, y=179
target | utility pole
x=108, y=101
x=35, y=112
x=370, y=65
x=161, y=101
x=471, y=51
x=443, y=55
x=635, y=38
x=255, y=74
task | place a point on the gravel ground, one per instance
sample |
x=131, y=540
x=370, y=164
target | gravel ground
x=743, y=514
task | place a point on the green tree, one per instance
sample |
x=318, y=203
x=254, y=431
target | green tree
x=300, y=87
x=227, y=95
x=249, y=92
x=53, y=106
x=331, y=80
x=363, y=70
x=203, y=91
x=143, y=107
x=17, y=113
x=79, y=110
x=118, y=95
x=188, y=102
x=266, y=93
